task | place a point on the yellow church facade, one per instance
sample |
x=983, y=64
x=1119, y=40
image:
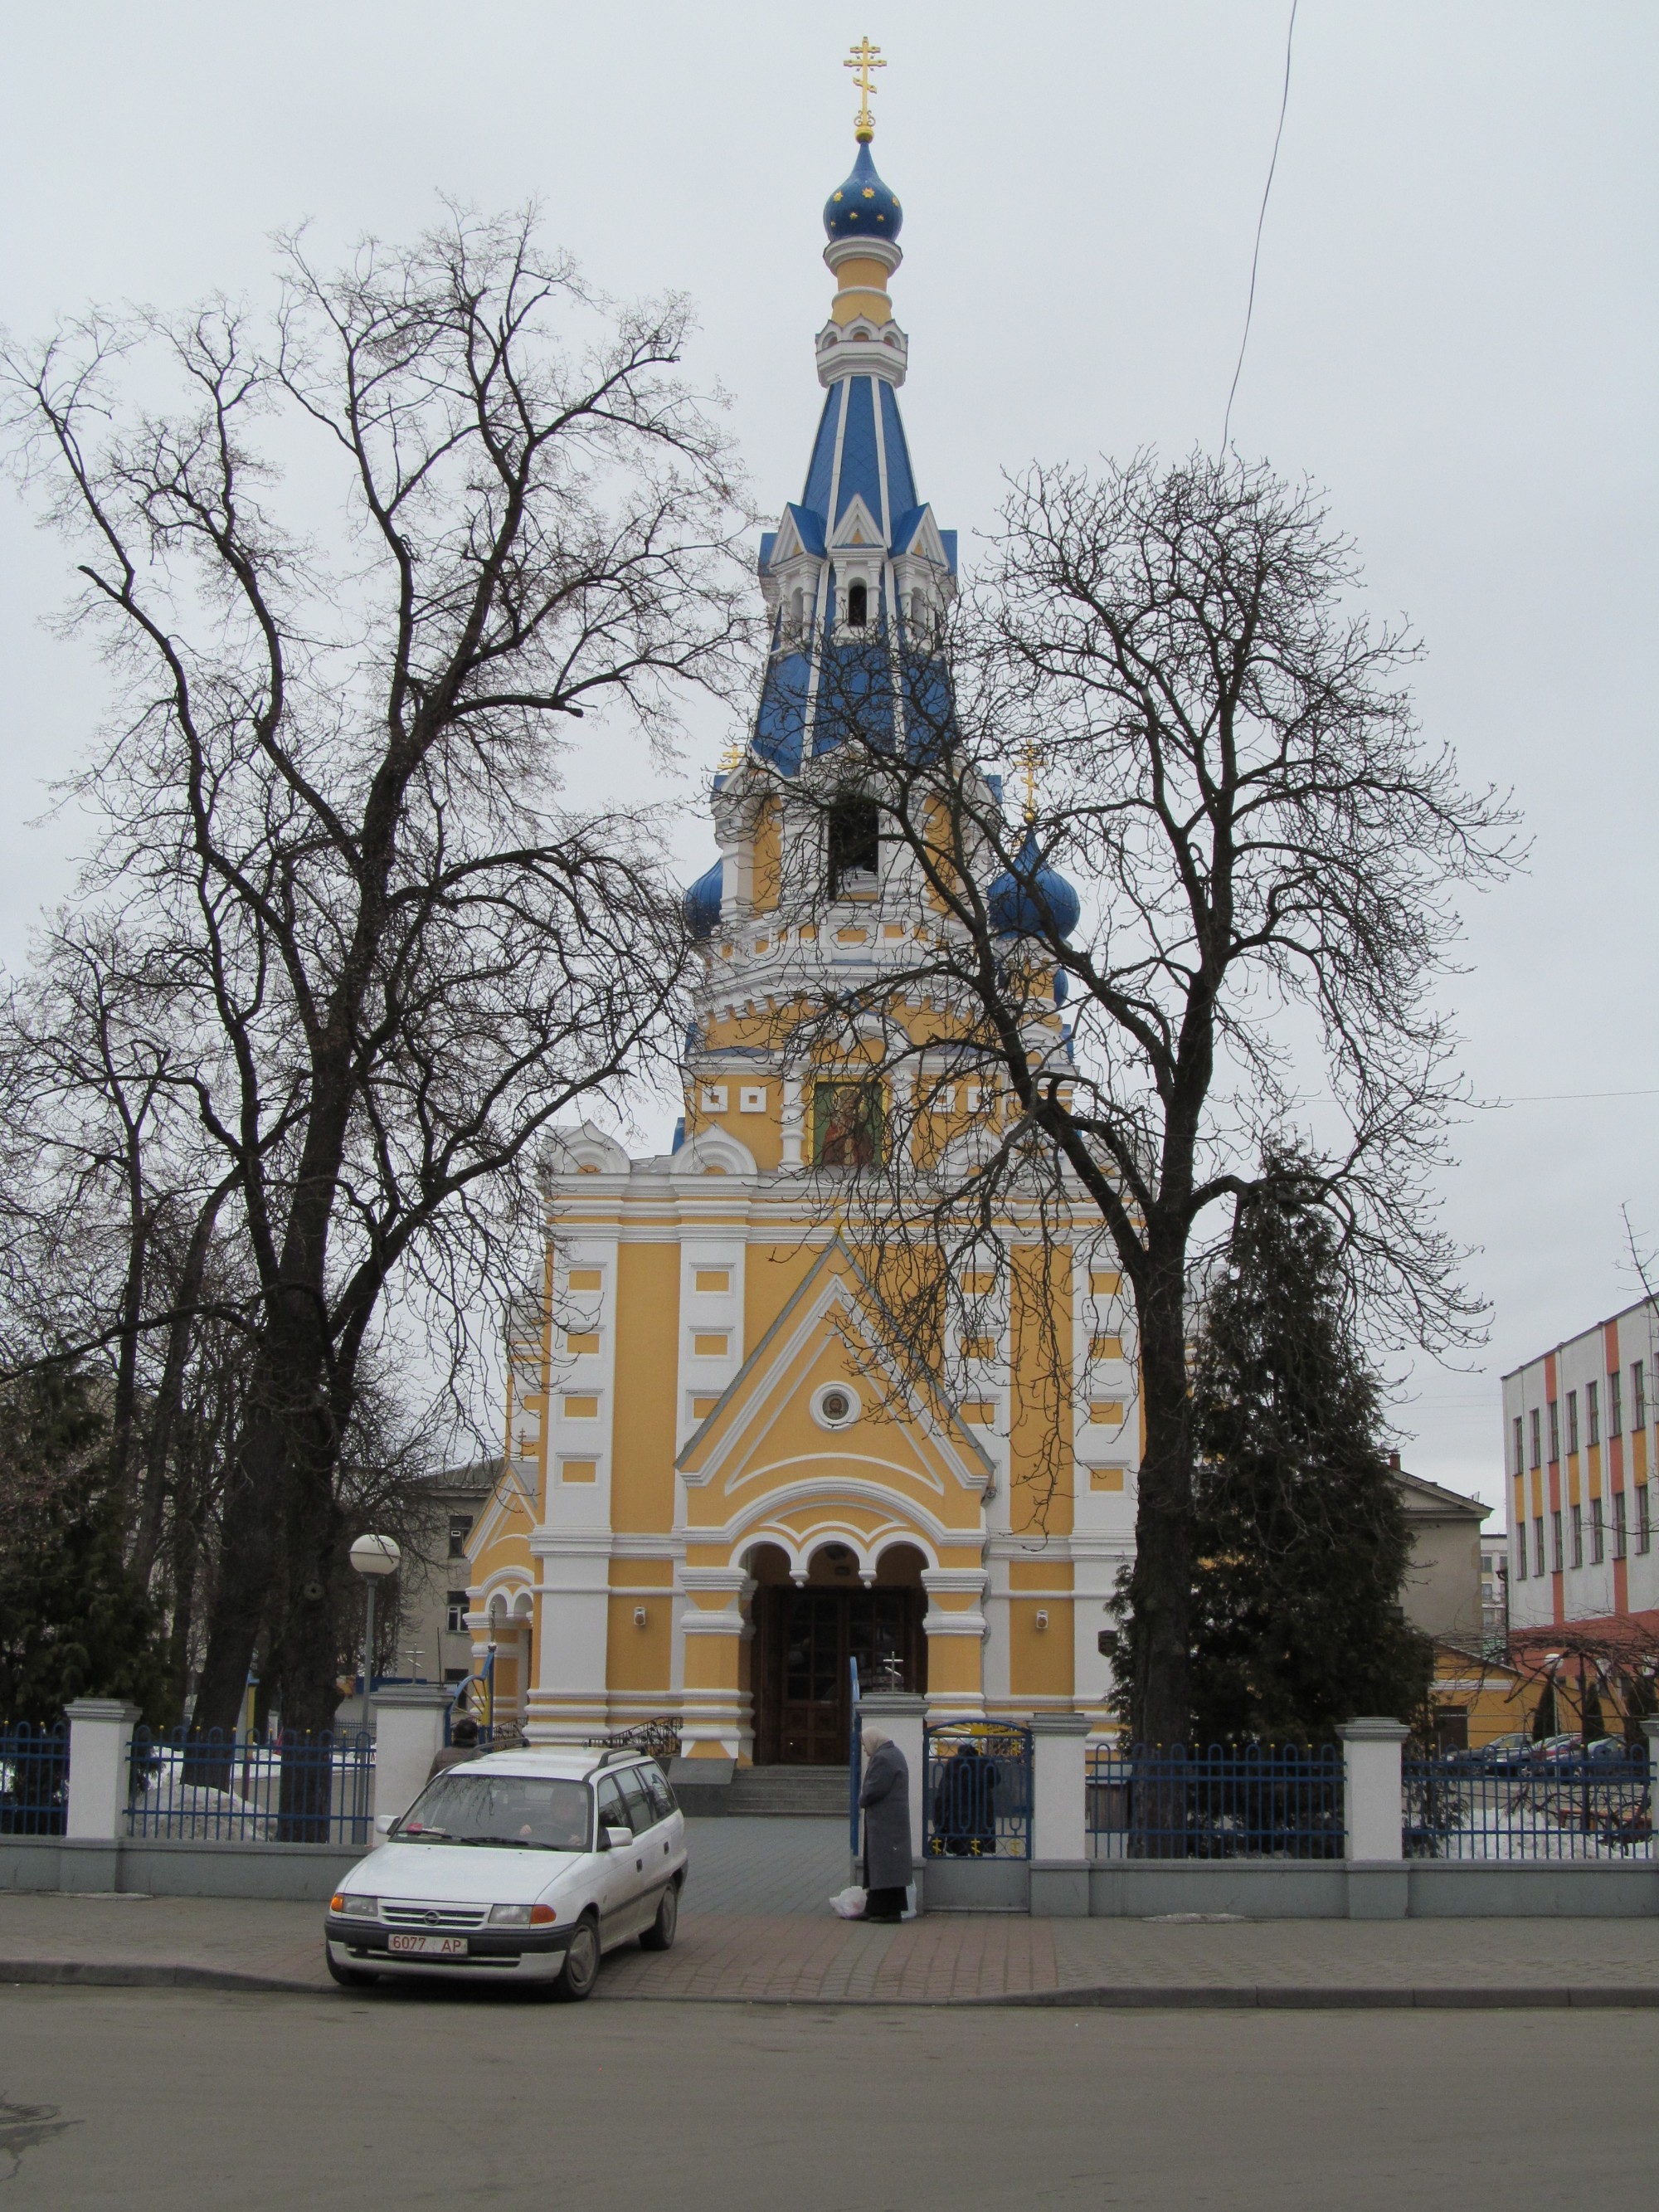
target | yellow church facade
x=719, y=1488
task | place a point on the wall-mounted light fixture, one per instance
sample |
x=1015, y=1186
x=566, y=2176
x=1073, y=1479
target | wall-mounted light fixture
x=640, y=1616
x=1042, y=1616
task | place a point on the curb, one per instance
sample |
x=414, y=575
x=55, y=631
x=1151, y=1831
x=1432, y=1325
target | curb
x=1101, y=1997
x=92, y=1973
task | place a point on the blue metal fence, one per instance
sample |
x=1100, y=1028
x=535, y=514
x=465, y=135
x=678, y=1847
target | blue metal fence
x=1594, y=1802
x=288, y=1789
x=33, y=1779
x=1267, y=1801
x=978, y=1798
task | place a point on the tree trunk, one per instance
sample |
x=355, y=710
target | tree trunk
x=1161, y=1581
x=286, y=1429
x=166, y=1410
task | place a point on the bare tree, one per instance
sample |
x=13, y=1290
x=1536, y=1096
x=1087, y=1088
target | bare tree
x=332, y=789
x=1268, y=855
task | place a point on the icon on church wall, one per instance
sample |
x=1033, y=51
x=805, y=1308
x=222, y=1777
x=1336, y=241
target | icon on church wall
x=845, y=1124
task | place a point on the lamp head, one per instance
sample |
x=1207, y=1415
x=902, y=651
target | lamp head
x=375, y=1556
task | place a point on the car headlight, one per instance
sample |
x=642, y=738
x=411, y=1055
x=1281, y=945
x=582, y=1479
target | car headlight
x=522, y=1915
x=353, y=1908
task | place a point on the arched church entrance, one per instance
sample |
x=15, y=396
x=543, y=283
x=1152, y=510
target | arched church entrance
x=807, y=1632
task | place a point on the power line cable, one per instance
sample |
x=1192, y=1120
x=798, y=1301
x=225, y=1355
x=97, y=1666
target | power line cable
x=1261, y=216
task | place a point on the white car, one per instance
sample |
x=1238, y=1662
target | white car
x=518, y=1866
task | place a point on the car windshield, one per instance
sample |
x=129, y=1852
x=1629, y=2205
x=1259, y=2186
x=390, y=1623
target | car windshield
x=531, y=1812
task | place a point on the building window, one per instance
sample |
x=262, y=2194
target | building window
x=1519, y=1449
x=1598, y=1536
x=1537, y=1446
x=1615, y=1405
x=1638, y=1394
x=460, y=1528
x=1520, y=1554
x=1643, y=1520
x=1578, y=1535
x=845, y=1124
x=1555, y=1431
x=858, y=605
x=1538, y=1546
x=1572, y=1420
x=1592, y=1411
x=854, y=846
x=455, y=1612
x=1621, y=1533
x=1556, y=1560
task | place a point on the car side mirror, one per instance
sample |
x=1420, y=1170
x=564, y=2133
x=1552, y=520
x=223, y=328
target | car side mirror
x=618, y=1840
x=385, y=1823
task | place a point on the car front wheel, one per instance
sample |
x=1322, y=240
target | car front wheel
x=659, y=1935
x=581, y=1965
x=348, y=1978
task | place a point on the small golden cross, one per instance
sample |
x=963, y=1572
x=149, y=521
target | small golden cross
x=1028, y=760
x=865, y=57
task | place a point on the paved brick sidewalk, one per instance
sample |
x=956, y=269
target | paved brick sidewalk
x=944, y=1959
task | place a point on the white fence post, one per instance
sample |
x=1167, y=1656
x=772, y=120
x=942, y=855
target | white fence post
x=408, y=1731
x=902, y=1715
x=1378, y=1886
x=1060, y=1825
x=99, y=1777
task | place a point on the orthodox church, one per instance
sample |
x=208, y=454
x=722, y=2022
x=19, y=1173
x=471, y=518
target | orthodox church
x=714, y=1496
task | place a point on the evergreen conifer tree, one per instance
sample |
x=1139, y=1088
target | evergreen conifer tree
x=1302, y=1543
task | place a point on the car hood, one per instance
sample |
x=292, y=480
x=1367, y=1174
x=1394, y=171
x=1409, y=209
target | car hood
x=460, y=1874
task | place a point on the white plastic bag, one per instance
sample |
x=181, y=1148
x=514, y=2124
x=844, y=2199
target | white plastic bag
x=848, y=1903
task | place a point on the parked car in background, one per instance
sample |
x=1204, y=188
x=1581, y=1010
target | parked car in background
x=520, y=1866
x=1506, y=1754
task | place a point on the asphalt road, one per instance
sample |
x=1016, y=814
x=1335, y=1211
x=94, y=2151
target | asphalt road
x=173, y=2099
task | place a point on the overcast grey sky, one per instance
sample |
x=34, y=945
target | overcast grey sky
x=1454, y=333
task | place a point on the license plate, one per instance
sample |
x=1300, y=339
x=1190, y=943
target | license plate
x=428, y=1947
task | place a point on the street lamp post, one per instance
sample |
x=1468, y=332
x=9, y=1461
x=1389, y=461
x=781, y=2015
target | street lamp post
x=374, y=1558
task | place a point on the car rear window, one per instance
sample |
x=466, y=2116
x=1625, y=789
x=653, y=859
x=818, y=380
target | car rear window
x=533, y=1811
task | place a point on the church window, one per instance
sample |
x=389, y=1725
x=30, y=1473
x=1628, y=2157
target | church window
x=854, y=844
x=845, y=1124
x=858, y=605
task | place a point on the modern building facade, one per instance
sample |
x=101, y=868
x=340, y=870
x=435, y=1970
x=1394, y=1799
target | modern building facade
x=1580, y=1457
x=719, y=1489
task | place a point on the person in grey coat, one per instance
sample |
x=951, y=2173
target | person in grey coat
x=884, y=1798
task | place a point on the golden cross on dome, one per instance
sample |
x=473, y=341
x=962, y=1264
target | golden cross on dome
x=865, y=57
x=1028, y=760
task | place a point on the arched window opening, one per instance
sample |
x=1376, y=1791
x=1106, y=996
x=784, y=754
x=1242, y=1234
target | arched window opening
x=857, y=606
x=797, y=612
x=854, y=847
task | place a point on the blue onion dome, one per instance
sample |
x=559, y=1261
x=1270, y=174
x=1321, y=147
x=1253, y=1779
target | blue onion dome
x=702, y=902
x=1032, y=900
x=863, y=207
